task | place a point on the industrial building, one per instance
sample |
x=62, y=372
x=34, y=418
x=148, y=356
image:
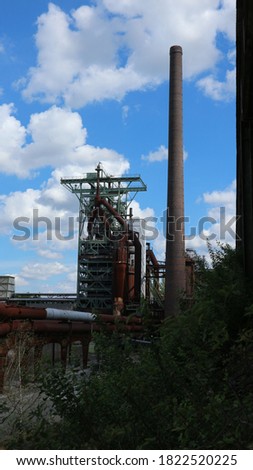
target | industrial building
x=111, y=253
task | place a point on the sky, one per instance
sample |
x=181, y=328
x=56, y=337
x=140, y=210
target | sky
x=86, y=81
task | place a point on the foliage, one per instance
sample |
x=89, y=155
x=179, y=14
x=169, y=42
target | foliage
x=190, y=388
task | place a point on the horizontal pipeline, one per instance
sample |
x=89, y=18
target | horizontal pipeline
x=54, y=326
x=32, y=313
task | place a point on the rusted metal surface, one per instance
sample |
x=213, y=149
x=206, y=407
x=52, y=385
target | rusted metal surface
x=5, y=328
x=42, y=330
x=10, y=312
x=104, y=280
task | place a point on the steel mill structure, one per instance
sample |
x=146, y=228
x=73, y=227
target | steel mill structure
x=111, y=253
x=116, y=269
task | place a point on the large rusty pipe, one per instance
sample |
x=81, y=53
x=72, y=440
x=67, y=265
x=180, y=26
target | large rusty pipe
x=136, y=291
x=175, y=245
x=7, y=311
x=32, y=313
x=119, y=271
x=137, y=273
x=54, y=326
x=153, y=258
x=5, y=328
x=130, y=283
x=100, y=201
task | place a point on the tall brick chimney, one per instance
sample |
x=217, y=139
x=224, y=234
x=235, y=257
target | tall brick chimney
x=175, y=245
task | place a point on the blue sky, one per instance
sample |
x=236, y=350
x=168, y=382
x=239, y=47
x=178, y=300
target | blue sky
x=87, y=81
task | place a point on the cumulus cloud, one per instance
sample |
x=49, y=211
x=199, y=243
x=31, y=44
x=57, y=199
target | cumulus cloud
x=38, y=277
x=159, y=245
x=222, y=198
x=219, y=222
x=160, y=155
x=54, y=138
x=43, y=271
x=222, y=89
x=157, y=156
x=44, y=220
x=219, y=90
x=12, y=139
x=140, y=213
x=106, y=50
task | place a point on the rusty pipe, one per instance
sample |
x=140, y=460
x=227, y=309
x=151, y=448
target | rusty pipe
x=152, y=257
x=32, y=313
x=54, y=326
x=7, y=311
x=100, y=201
x=5, y=328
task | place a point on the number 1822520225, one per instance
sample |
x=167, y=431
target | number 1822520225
x=198, y=459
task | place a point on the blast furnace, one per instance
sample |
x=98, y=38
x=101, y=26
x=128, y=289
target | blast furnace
x=110, y=251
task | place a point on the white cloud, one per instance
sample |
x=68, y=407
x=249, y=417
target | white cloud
x=219, y=222
x=139, y=213
x=223, y=197
x=227, y=18
x=43, y=220
x=20, y=282
x=159, y=246
x=125, y=112
x=43, y=271
x=58, y=140
x=46, y=253
x=157, y=156
x=219, y=90
x=86, y=62
x=231, y=55
x=223, y=89
x=16, y=204
x=12, y=139
x=160, y=155
x=46, y=277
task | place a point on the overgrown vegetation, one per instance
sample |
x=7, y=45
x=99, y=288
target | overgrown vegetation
x=191, y=388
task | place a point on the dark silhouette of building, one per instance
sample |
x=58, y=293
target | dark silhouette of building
x=244, y=116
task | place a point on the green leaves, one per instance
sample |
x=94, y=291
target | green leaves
x=190, y=388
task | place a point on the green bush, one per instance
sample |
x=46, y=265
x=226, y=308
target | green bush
x=191, y=388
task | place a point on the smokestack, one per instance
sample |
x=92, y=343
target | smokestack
x=175, y=245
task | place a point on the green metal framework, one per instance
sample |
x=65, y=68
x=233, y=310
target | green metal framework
x=95, y=254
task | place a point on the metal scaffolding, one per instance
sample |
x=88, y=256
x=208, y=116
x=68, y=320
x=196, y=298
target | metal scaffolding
x=104, y=220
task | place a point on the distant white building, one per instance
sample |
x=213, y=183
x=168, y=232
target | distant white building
x=7, y=286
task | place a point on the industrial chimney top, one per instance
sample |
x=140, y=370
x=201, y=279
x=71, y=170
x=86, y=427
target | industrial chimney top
x=175, y=49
